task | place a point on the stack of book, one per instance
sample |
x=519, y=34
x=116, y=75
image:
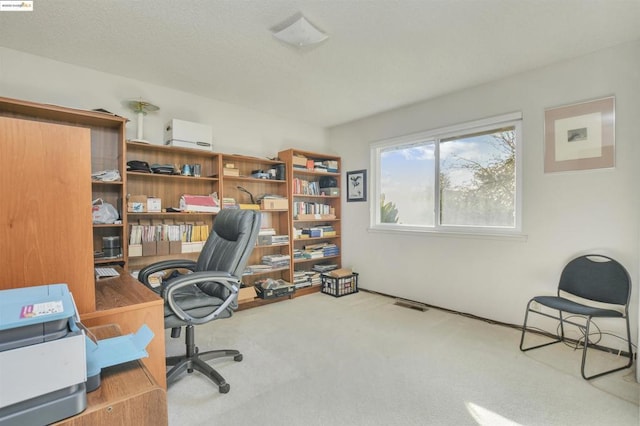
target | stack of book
x=256, y=269
x=301, y=279
x=312, y=232
x=229, y=203
x=319, y=166
x=326, y=230
x=324, y=267
x=276, y=260
x=331, y=165
x=280, y=239
x=314, y=251
x=298, y=254
x=229, y=169
x=330, y=250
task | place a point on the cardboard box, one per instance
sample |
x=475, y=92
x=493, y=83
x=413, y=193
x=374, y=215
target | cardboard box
x=274, y=204
x=230, y=171
x=186, y=134
x=175, y=247
x=331, y=192
x=137, y=204
x=162, y=248
x=246, y=294
x=299, y=160
x=154, y=205
x=135, y=250
x=149, y=248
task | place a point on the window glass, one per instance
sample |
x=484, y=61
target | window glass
x=407, y=184
x=478, y=180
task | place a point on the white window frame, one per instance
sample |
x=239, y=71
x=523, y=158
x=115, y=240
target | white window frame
x=512, y=119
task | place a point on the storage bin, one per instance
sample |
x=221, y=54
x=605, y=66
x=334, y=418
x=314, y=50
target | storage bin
x=340, y=286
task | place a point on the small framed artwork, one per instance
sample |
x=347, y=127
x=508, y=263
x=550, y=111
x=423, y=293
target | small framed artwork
x=580, y=136
x=357, y=185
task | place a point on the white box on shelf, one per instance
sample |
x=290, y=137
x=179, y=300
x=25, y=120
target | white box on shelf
x=154, y=205
x=186, y=134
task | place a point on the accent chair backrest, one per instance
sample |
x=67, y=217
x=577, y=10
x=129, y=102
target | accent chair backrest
x=598, y=278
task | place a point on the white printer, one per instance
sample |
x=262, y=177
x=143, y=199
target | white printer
x=47, y=361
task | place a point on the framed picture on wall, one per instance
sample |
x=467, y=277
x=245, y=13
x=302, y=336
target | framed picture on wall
x=580, y=136
x=357, y=185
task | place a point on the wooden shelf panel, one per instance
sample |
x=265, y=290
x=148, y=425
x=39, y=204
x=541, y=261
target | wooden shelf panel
x=313, y=173
x=330, y=237
x=103, y=183
x=170, y=150
x=163, y=176
x=323, y=197
x=315, y=259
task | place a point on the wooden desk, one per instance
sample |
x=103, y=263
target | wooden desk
x=128, y=395
x=128, y=303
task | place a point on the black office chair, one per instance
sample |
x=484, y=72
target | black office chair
x=591, y=278
x=207, y=293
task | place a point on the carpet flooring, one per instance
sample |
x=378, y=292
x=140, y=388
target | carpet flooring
x=362, y=360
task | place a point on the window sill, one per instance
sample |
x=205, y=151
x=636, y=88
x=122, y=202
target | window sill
x=501, y=236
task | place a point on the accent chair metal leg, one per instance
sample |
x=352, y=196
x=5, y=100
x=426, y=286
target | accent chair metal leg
x=524, y=329
x=584, y=353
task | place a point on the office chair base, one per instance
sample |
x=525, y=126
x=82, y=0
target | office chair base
x=193, y=360
x=191, y=364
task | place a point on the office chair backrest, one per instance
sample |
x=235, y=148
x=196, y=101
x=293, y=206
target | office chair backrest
x=231, y=241
x=598, y=278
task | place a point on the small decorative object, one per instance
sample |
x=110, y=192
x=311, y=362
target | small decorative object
x=141, y=108
x=357, y=185
x=580, y=136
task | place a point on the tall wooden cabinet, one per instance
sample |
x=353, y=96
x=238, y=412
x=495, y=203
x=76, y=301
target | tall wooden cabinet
x=107, y=133
x=46, y=230
x=43, y=233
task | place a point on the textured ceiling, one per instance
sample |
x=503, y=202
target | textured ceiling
x=381, y=54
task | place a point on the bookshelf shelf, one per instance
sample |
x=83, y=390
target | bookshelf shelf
x=316, y=259
x=273, y=221
x=179, y=177
x=169, y=189
x=313, y=209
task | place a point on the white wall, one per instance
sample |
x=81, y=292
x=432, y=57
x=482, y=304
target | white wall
x=565, y=214
x=236, y=130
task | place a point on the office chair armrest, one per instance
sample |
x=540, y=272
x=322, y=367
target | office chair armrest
x=231, y=283
x=143, y=275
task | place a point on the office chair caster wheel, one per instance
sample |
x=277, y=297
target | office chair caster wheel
x=224, y=388
x=237, y=358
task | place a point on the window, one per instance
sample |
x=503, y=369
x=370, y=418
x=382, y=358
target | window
x=463, y=178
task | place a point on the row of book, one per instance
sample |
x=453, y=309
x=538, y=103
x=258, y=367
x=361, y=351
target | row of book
x=330, y=166
x=303, y=207
x=305, y=187
x=306, y=278
x=276, y=260
x=316, y=251
x=269, y=263
x=185, y=232
x=318, y=231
